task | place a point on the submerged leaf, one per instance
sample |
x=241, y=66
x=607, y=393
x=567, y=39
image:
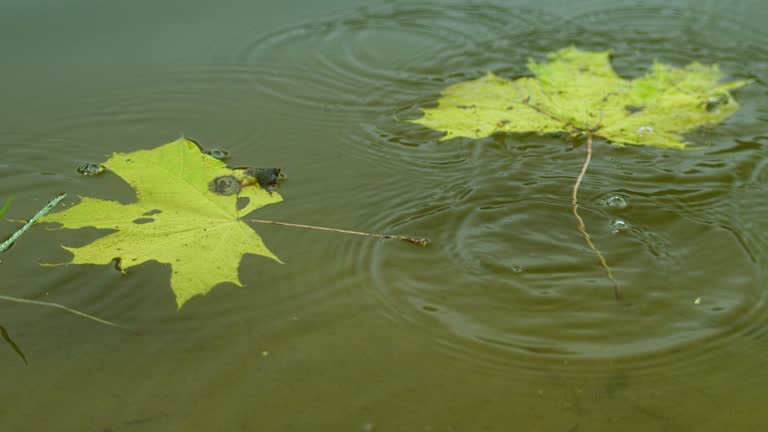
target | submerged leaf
x=179, y=218
x=579, y=91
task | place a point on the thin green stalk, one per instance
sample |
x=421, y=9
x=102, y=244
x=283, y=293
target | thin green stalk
x=5, y=206
x=51, y=204
x=58, y=306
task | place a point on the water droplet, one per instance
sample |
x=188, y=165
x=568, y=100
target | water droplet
x=218, y=153
x=617, y=202
x=642, y=130
x=90, y=169
x=619, y=226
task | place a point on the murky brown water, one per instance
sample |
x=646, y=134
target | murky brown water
x=505, y=322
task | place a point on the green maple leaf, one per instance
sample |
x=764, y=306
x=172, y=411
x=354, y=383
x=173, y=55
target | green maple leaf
x=176, y=220
x=579, y=91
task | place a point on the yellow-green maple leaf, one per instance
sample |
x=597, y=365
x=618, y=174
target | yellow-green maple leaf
x=176, y=219
x=578, y=91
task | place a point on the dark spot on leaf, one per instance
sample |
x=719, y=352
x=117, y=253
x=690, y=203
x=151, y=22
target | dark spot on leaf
x=504, y=121
x=429, y=308
x=225, y=185
x=510, y=107
x=633, y=108
x=152, y=212
x=242, y=202
x=714, y=103
x=144, y=220
x=467, y=106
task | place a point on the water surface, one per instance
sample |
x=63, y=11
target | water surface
x=506, y=322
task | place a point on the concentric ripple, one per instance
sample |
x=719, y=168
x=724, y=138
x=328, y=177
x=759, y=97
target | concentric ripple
x=509, y=270
x=508, y=277
x=381, y=62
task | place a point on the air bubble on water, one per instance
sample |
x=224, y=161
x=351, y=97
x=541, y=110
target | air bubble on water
x=619, y=226
x=617, y=202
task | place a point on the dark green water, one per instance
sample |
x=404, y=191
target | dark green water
x=505, y=322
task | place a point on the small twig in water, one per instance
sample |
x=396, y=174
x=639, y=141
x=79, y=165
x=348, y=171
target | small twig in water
x=415, y=240
x=51, y=204
x=583, y=228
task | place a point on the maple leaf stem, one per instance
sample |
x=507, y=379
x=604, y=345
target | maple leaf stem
x=415, y=240
x=583, y=228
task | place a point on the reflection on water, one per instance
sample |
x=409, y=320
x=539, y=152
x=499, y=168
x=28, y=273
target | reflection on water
x=505, y=320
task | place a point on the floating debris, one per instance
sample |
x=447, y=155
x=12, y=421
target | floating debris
x=218, y=153
x=90, y=169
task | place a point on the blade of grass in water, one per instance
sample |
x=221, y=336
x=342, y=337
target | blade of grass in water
x=5, y=206
x=62, y=307
x=3, y=331
x=7, y=338
x=6, y=244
